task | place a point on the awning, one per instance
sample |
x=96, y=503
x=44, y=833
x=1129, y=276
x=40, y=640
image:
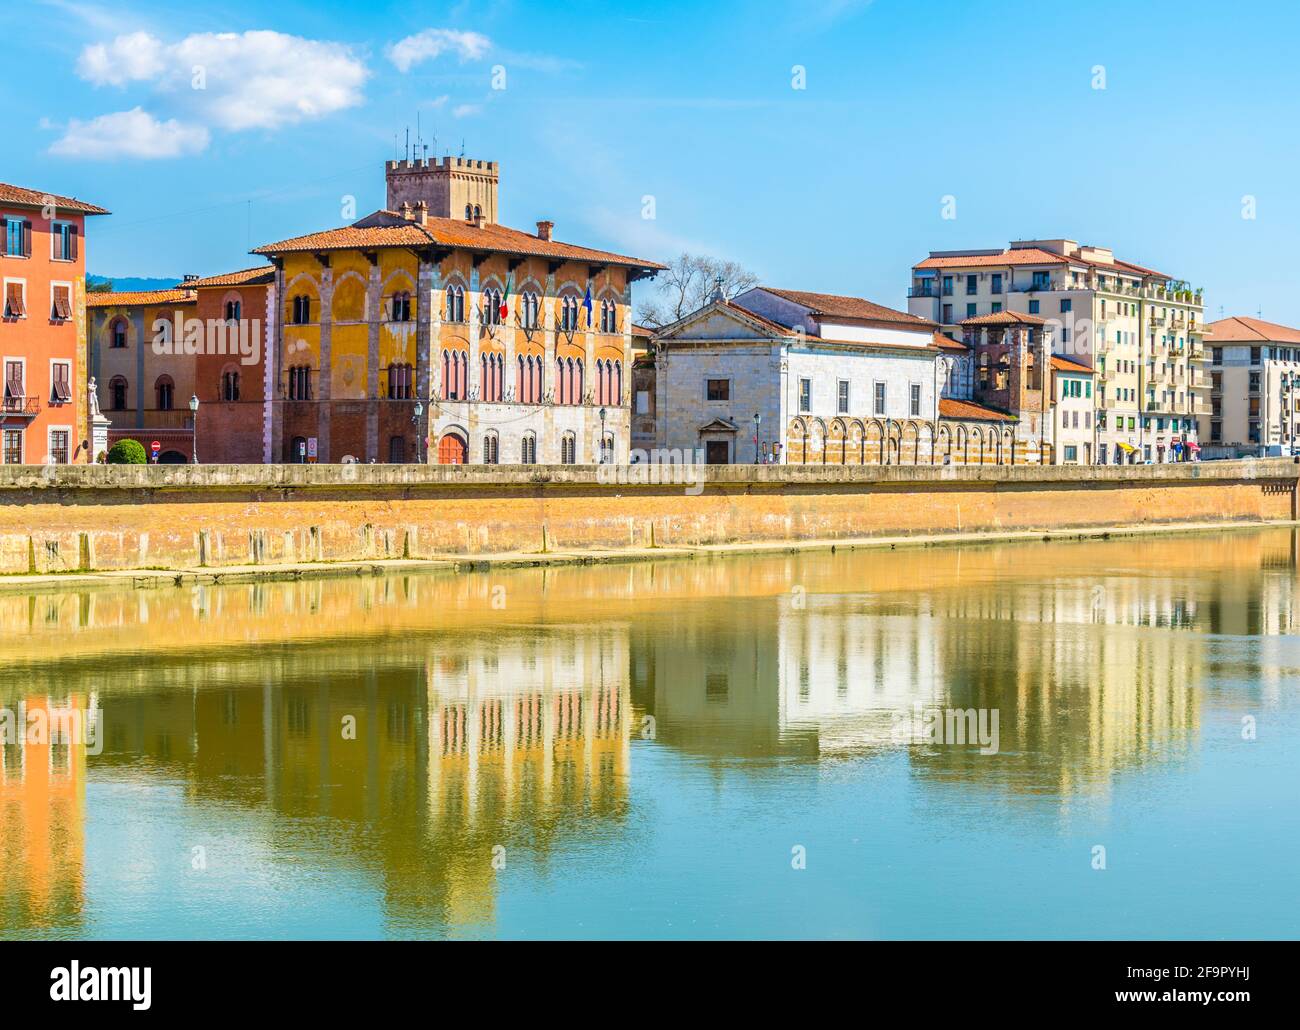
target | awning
x=1127, y=448
x=1193, y=446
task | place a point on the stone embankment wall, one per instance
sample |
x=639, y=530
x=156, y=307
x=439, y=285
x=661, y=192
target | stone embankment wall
x=70, y=518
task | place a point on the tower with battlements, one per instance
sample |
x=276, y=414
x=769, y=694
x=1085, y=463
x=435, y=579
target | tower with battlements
x=452, y=187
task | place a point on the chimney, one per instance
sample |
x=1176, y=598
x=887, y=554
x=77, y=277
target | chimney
x=406, y=210
x=421, y=212
x=479, y=219
x=544, y=230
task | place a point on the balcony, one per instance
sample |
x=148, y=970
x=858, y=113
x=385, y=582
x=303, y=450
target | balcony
x=23, y=407
x=1040, y=286
x=929, y=290
x=151, y=418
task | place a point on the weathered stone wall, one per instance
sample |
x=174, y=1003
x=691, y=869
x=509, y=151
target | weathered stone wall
x=124, y=517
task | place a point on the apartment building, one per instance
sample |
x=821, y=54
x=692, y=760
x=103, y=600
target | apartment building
x=1254, y=371
x=44, y=417
x=1139, y=330
x=1073, y=413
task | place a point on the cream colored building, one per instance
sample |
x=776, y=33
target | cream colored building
x=1139, y=330
x=1254, y=371
x=1074, y=429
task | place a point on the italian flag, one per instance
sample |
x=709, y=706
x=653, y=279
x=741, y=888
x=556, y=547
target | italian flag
x=505, y=296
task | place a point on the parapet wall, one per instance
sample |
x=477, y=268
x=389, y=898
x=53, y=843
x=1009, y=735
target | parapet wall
x=69, y=518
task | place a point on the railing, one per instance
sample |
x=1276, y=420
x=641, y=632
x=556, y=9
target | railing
x=30, y=406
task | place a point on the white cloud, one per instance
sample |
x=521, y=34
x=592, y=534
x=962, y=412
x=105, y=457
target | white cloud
x=466, y=110
x=433, y=43
x=135, y=57
x=250, y=80
x=134, y=133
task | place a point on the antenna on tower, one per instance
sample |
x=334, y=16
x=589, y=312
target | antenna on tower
x=417, y=132
x=462, y=146
x=408, y=143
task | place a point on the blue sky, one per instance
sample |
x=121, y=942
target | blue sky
x=836, y=187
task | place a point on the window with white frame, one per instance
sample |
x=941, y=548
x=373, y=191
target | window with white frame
x=879, y=398
x=60, y=382
x=842, y=398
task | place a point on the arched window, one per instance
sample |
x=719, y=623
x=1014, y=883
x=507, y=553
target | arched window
x=608, y=316
x=469, y=212
x=491, y=313
x=117, y=393
x=232, y=310
x=478, y=211
x=492, y=377
x=455, y=303
x=530, y=306
x=166, y=391
x=300, y=382
x=568, y=449
x=400, y=307
x=528, y=450
x=118, y=334
x=400, y=382
x=301, y=309
x=397, y=450
x=491, y=448
x=230, y=385
x=569, y=313
x=455, y=368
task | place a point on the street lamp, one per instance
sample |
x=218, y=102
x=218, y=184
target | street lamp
x=758, y=458
x=416, y=415
x=194, y=425
x=602, y=435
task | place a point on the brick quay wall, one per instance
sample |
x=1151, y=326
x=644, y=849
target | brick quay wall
x=83, y=518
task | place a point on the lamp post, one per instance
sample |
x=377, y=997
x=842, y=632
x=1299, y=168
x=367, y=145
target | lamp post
x=416, y=416
x=194, y=425
x=602, y=435
x=758, y=420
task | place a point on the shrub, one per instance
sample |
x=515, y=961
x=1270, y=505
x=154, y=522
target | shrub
x=126, y=452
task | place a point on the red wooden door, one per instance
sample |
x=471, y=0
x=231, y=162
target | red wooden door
x=451, y=450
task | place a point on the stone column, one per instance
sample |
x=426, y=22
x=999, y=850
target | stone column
x=323, y=402
x=374, y=324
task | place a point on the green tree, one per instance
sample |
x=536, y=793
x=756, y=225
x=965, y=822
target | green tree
x=126, y=452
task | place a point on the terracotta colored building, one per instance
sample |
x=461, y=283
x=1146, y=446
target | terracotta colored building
x=234, y=382
x=144, y=394
x=44, y=416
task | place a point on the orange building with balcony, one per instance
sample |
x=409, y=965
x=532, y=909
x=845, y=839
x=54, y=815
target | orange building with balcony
x=44, y=415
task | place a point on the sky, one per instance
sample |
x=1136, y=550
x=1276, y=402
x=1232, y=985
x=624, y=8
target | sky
x=826, y=146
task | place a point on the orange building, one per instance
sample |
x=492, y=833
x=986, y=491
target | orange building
x=44, y=416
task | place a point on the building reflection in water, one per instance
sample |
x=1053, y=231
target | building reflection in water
x=503, y=709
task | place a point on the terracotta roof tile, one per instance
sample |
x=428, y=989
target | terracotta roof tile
x=1239, y=327
x=1066, y=365
x=139, y=298
x=835, y=306
x=24, y=197
x=1004, y=318
x=246, y=277
x=447, y=232
x=950, y=407
x=944, y=343
x=1020, y=256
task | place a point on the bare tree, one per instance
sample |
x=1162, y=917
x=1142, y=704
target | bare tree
x=689, y=284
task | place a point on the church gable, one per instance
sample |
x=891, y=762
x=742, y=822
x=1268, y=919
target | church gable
x=718, y=322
